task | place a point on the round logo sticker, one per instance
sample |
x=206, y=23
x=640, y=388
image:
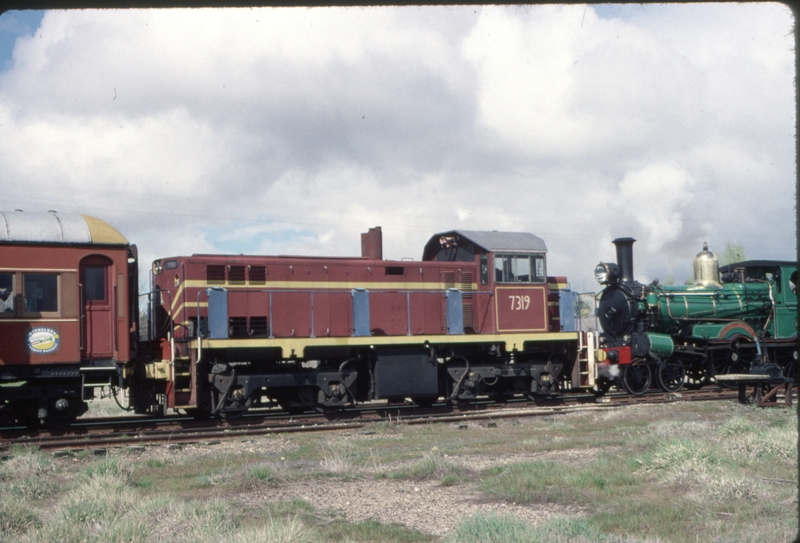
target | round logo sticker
x=43, y=340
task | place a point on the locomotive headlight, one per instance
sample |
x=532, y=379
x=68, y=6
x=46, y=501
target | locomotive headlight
x=157, y=267
x=606, y=272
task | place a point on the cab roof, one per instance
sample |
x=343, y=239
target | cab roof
x=491, y=241
x=757, y=264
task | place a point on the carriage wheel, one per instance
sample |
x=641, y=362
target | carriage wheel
x=670, y=375
x=636, y=378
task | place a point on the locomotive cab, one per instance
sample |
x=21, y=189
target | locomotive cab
x=514, y=287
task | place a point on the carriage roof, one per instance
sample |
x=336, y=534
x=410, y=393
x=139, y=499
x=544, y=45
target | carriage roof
x=52, y=227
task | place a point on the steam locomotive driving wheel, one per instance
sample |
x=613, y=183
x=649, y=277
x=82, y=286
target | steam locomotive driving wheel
x=636, y=378
x=670, y=375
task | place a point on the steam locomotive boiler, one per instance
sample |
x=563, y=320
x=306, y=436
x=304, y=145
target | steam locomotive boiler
x=727, y=321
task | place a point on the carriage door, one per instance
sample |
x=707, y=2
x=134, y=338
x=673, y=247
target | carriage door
x=97, y=310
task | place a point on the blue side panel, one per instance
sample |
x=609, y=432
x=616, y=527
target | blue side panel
x=361, y=325
x=217, y=313
x=455, y=312
x=566, y=310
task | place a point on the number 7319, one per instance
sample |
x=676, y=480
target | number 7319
x=520, y=303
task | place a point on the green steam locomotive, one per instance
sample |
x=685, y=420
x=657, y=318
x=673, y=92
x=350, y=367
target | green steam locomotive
x=728, y=321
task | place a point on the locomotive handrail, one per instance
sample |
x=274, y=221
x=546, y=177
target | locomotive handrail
x=149, y=306
x=83, y=315
x=199, y=332
x=716, y=294
x=115, y=338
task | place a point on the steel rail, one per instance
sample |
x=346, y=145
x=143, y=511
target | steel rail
x=115, y=433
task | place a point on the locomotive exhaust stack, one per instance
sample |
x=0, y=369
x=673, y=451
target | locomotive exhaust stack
x=608, y=273
x=372, y=244
x=625, y=258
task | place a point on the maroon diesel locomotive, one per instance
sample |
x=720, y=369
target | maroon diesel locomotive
x=68, y=312
x=476, y=316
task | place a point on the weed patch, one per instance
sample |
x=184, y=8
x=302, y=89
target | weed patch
x=433, y=465
x=483, y=528
x=16, y=518
x=556, y=482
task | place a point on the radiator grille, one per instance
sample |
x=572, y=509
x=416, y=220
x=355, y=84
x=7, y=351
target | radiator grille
x=258, y=274
x=466, y=293
x=236, y=273
x=215, y=273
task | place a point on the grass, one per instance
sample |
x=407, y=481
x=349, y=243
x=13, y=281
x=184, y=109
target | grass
x=555, y=482
x=432, y=466
x=681, y=473
x=483, y=528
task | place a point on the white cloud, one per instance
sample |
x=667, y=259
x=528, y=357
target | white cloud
x=654, y=196
x=294, y=130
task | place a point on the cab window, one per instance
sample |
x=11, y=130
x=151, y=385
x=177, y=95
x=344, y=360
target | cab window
x=519, y=269
x=40, y=292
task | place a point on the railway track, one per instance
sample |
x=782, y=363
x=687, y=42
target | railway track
x=98, y=434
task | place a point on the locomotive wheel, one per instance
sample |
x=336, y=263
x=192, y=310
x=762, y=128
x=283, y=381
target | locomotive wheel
x=26, y=413
x=636, y=378
x=727, y=362
x=670, y=375
x=787, y=361
x=696, y=379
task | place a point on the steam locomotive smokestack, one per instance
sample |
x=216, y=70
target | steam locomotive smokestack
x=372, y=244
x=625, y=258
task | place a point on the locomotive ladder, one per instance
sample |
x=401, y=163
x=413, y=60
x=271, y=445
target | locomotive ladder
x=587, y=345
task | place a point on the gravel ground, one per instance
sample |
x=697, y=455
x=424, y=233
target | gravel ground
x=423, y=505
x=426, y=506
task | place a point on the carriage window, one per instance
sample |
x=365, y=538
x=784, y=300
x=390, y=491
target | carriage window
x=519, y=268
x=40, y=292
x=94, y=287
x=6, y=293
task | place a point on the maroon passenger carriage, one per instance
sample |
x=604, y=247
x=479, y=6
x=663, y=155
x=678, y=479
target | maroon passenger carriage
x=478, y=316
x=68, y=313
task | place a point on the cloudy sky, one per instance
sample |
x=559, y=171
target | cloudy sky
x=291, y=131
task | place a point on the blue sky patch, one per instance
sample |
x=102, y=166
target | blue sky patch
x=250, y=239
x=14, y=24
x=621, y=11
